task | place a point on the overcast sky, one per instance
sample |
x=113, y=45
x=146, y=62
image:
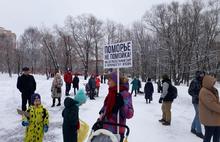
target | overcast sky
x=17, y=15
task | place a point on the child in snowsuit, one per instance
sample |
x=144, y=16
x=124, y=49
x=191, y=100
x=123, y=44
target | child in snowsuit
x=37, y=121
x=71, y=116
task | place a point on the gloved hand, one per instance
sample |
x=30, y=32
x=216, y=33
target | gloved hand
x=25, y=123
x=160, y=100
x=118, y=103
x=119, y=100
x=45, y=128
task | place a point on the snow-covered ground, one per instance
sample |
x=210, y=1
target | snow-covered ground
x=144, y=125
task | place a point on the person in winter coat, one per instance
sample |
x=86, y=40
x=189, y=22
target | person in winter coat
x=193, y=91
x=159, y=87
x=56, y=89
x=68, y=80
x=134, y=86
x=139, y=87
x=148, y=90
x=209, y=109
x=102, y=78
x=75, y=83
x=92, y=86
x=117, y=103
x=105, y=77
x=97, y=84
x=166, y=100
x=38, y=121
x=26, y=85
x=70, y=116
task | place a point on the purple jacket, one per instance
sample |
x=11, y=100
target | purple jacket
x=126, y=112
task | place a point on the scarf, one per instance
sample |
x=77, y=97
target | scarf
x=110, y=100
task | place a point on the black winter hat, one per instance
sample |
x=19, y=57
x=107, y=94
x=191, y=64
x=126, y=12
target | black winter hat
x=25, y=69
x=165, y=76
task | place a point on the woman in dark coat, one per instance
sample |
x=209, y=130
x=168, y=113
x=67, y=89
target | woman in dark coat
x=148, y=90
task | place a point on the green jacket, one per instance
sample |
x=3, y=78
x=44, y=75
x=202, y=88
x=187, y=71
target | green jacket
x=134, y=84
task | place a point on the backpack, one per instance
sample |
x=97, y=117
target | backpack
x=173, y=91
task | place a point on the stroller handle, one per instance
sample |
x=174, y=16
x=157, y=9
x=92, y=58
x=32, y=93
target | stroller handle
x=115, y=124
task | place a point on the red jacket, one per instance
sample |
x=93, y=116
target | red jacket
x=68, y=77
x=97, y=82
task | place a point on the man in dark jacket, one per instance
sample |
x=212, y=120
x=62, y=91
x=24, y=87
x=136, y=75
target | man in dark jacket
x=166, y=100
x=75, y=83
x=26, y=85
x=92, y=86
x=193, y=91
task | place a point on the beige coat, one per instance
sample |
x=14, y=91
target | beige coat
x=209, y=105
x=56, y=86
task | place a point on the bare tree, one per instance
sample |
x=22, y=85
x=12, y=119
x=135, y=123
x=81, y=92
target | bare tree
x=7, y=48
x=31, y=41
x=49, y=43
x=82, y=33
x=98, y=40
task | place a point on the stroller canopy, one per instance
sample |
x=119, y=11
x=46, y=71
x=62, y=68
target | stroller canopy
x=103, y=135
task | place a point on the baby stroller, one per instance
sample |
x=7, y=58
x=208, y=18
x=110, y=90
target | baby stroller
x=103, y=135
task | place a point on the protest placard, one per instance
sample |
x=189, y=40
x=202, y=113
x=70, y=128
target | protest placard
x=118, y=55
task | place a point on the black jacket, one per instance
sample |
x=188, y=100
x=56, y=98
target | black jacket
x=70, y=120
x=26, y=84
x=76, y=82
x=194, y=89
x=92, y=83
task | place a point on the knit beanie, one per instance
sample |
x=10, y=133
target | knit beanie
x=80, y=97
x=35, y=96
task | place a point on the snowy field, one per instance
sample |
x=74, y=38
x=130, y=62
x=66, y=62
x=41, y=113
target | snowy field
x=144, y=126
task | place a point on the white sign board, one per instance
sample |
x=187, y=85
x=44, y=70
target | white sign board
x=118, y=55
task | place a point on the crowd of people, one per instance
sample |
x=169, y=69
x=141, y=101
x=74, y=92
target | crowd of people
x=117, y=105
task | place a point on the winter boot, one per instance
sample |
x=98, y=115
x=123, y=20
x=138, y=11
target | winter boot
x=166, y=123
x=162, y=120
x=200, y=135
x=193, y=131
x=58, y=102
x=53, y=102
